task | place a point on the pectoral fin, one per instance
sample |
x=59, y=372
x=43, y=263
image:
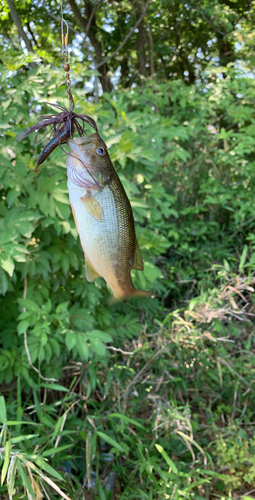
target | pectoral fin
x=138, y=260
x=91, y=273
x=93, y=207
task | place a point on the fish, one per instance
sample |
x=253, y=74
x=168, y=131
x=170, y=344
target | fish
x=103, y=216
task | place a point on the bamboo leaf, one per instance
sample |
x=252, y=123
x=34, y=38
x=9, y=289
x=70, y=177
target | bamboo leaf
x=25, y=479
x=11, y=476
x=53, y=485
x=127, y=419
x=53, y=451
x=167, y=458
x=111, y=441
x=6, y=461
x=243, y=257
x=18, y=439
x=2, y=410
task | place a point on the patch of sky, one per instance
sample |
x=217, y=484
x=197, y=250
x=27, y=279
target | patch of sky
x=239, y=45
x=116, y=76
x=200, y=54
x=215, y=59
x=108, y=25
x=210, y=42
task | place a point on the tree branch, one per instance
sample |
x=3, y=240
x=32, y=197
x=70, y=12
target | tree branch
x=58, y=19
x=32, y=34
x=92, y=32
x=81, y=21
x=91, y=17
x=16, y=20
x=151, y=47
x=126, y=38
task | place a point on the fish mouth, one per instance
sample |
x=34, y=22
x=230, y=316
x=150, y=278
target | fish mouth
x=86, y=140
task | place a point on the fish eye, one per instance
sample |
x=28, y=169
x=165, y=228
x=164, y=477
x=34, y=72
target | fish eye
x=100, y=151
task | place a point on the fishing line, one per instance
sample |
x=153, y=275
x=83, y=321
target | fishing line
x=63, y=124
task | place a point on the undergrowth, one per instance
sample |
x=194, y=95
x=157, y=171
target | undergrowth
x=168, y=414
x=148, y=399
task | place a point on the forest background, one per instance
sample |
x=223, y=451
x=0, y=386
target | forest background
x=150, y=399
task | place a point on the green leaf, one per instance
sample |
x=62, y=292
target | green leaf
x=28, y=304
x=3, y=282
x=103, y=336
x=45, y=466
x=62, y=307
x=111, y=441
x=57, y=428
x=82, y=347
x=55, y=387
x=16, y=422
x=243, y=257
x=70, y=340
x=53, y=451
x=98, y=346
x=152, y=272
x=61, y=197
x=25, y=479
x=6, y=461
x=13, y=195
x=167, y=458
x=18, y=439
x=23, y=326
x=11, y=476
x=3, y=417
x=101, y=491
x=127, y=419
x=7, y=264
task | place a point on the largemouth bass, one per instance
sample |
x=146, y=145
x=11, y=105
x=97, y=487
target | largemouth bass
x=103, y=216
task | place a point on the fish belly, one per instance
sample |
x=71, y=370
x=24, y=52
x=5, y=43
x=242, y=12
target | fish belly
x=106, y=240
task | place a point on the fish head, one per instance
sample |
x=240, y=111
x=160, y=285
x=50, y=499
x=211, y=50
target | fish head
x=88, y=159
x=91, y=150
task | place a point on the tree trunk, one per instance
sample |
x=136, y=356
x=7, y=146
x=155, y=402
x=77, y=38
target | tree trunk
x=226, y=51
x=141, y=39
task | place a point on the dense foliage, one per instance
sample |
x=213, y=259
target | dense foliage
x=151, y=398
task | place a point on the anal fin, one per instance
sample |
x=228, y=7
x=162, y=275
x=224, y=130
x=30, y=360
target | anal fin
x=138, y=260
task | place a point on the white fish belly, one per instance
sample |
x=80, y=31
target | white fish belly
x=99, y=238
